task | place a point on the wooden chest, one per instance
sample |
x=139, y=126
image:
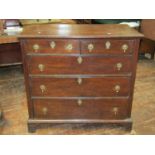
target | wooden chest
x=79, y=73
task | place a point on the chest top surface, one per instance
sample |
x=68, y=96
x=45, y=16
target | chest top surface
x=79, y=31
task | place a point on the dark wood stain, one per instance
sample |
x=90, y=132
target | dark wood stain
x=90, y=109
x=98, y=71
x=70, y=65
x=95, y=87
x=10, y=53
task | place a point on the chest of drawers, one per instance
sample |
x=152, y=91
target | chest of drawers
x=79, y=73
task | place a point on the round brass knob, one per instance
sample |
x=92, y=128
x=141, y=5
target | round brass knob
x=79, y=102
x=69, y=47
x=44, y=110
x=119, y=66
x=52, y=44
x=36, y=47
x=115, y=110
x=107, y=45
x=117, y=88
x=90, y=47
x=79, y=81
x=43, y=88
x=124, y=47
x=79, y=60
x=41, y=67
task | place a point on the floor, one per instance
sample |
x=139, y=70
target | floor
x=13, y=102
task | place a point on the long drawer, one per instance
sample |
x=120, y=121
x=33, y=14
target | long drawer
x=79, y=65
x=81, y=109
x=80, y=86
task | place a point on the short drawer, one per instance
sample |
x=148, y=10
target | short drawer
x=81, y=109
x=107, y=46
x=51, y=46
x=79, y=65
x=80, y=86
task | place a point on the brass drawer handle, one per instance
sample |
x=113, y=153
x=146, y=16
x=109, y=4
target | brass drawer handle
x=69, y=47
x=44, y=110
x=52, y=44
x=124, y=47
x=119, y=66
x=79, y=60
x=117, y=88
x=107, y=45
x=36, y=47
x=115, y=110
x=79, y=81
x=79, y=102
x=90, y=47
x=43, y=88
x=41, y=67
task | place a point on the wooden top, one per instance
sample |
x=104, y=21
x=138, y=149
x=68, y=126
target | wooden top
x=79, y=31
x=8, y=39
x=27, y=22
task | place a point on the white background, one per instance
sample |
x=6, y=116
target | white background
x=77, y=145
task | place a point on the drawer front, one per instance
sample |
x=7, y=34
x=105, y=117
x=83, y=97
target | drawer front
x=79, y=65
x=52, y=46
x=81, y=109
x=78, y=87
x=107, y=46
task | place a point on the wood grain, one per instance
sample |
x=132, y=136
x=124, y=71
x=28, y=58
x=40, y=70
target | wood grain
x=89, y=109
x=99, y=46
x=69, y=87
x=80, y=31
x=44, y=46
x=69, y=64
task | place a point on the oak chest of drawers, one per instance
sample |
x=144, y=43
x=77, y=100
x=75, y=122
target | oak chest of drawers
x=79, y=73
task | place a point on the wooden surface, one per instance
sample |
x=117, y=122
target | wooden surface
x=100, y=75
x=148, y=28
x=68, y=65
x=14, y=104
x=148, y=43
x=90, y=109
x=10, y=53
x=4, y=38
x=147, y=46
x=8, y=39
x=27, y=22
x=79, y=31
x=60, y=46
x=90, y=87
